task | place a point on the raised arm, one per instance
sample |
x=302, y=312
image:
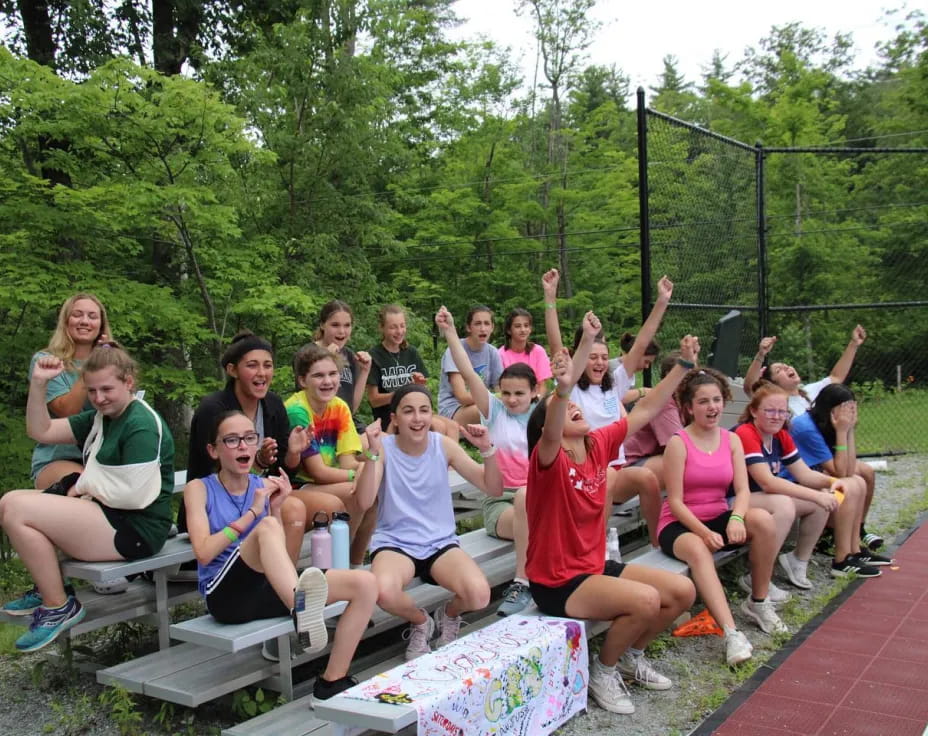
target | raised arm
x=842, y=368
x=844, y=420
x=757, y=364
x=365, y=490
x=486, y=477
x=549, y=284
x=565, y=373
x=632, y=359
x=474, y=383
x=655, y=399
x=39, y=424
x=360, y=383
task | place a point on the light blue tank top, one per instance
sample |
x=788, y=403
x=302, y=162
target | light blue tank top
x=221, y=508
x=415, y=513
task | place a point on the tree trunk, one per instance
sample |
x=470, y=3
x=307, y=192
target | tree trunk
x=175, y=25
x=37, y=25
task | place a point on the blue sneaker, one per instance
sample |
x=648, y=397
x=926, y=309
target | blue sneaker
x=25, y=605
x=48, y=623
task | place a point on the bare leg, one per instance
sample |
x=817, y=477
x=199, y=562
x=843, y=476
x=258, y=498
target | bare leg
x=445, y=426
x=869, y=477
x=264, y=550
x=676, y=592
x=55, y=471
x=630, y=605
x=848, y=517
x=783, y=511
x=293, y=516
x=655, y=464
x=762, y=534
x=362, y=537
x=38, y=525
x=513, y=524
x=319, y=498
x=393, y=571
x=467, y=415
x=359, y=588
x=812, y=520
x=692, y=550
x=457, y=572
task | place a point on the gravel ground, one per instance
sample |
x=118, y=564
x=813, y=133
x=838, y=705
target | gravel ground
x=40, y=696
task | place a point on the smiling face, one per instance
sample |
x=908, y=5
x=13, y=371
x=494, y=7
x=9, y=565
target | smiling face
x=520, y=331
x=706, y=406
x=480, y=327
x=84, y=322
x=394, y=330
x=413, y=416
x=253, y=374
x=771, y=415
x=240, y=456
x=784, y=376
x=516, y=394
x=597, y=365
x=336, y=329
x=321, y=381
x=109, y=394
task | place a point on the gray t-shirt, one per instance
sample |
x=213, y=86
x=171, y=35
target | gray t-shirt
x=486, y=362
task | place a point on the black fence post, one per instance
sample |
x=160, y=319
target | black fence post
x=644, y=223
x=762, y=305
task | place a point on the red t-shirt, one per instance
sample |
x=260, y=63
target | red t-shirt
x=565, y=501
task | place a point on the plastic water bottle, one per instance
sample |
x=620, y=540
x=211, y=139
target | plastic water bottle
x=613, y=552
x=321, y=541
x=341, y=540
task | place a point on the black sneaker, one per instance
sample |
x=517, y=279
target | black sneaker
x=871, y=540
x=323, y=689
x=853, y=565
x=873, y=559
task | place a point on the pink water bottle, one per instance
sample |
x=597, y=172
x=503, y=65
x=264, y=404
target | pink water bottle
x=321, y=541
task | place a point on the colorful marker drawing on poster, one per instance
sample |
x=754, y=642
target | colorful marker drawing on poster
x=523, y=675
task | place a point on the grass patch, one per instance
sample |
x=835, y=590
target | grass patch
x=9, y=633
x=888, y=423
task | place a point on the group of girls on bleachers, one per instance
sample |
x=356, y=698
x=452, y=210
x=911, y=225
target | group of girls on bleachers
x=260, y=468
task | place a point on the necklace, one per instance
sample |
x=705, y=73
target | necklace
x=232, y=497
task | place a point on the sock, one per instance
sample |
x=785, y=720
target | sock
x=601, y=670
x=521, y=581
x=729, y=630
x=635, y=653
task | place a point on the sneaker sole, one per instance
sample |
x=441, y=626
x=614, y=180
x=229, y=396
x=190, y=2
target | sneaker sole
x=757, y=620
x=858, y=573
x=19, y=611
x=646, y=685
x=310, y=622
x=874, y=563
x=73, y=621
x=738, y=660
x=612, y=707
x=788, y=572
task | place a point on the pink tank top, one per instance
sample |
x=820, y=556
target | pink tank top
x=706, y=478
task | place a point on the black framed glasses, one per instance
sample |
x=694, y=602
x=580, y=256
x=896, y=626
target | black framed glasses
x=234, y=440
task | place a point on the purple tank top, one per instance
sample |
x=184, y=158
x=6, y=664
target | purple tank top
x=706, y=478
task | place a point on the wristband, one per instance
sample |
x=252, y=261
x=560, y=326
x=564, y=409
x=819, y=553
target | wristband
x=235, y=527
x=488, y=453
x=372, y=456
x=841, y=447
x=351, y=475
x=736, y=517
x=233, y=537
x=689, y=365
x=562, y=396
x=253, y=511
x=550, y=305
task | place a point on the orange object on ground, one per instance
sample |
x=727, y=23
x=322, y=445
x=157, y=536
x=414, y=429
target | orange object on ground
x=702, y=624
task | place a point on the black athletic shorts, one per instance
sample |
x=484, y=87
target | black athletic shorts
x=674, y=529
x=243, y=595
x=423, y=568
x=127, y=540
x=553, y=601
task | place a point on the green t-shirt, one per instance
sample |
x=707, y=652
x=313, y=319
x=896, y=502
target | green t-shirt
x=130, y=438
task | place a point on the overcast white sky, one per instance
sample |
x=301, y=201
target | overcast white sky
x=635, y=36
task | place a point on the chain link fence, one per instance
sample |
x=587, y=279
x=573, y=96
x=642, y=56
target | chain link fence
x=806, y=243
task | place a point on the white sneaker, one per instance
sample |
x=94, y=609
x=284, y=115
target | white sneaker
x=448, y=627
x=777, y=596
x=795, y=570
x=609, y=691
x=640, y=670
x=764, y=616
x=737, y=648
x=111, y=587
x=419, y=635
x=309, y=597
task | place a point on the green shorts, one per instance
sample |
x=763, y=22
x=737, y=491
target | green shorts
x=493, y=508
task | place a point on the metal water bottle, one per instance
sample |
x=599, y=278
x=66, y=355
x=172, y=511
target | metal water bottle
x=613, y=552
x=341, y=540
x=321, y=541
